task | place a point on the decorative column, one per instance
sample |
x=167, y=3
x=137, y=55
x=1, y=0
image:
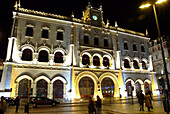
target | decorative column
x=49, y=90
x=150, y=63
x=34, y=89
x=132, y=66
x=121, y=84
x=51, y=59
x=118, y=63
x=140, y=65
x=35, y=58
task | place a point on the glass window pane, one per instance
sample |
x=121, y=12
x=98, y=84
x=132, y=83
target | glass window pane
x=86, y=39
x=44, y=33
x=96, y=41
x=105, y=42
x=29, y=31
x=59, y=35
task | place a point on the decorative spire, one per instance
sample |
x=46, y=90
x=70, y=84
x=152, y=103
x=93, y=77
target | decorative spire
x=19, y=4
x=72, y=15
x=146, y=32
x=89, y=5
x=116, y=25
x=107, y=25
x=100, y=8
x=16, y=5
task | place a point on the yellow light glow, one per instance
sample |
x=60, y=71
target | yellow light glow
x=160, y=1
x=145, y=5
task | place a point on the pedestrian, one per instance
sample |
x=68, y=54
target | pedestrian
x=150, y=93
x=91, y=106
x=148, y=101
x=98, y=105
x=141, y=100
x=17, y=103
x=3, y=106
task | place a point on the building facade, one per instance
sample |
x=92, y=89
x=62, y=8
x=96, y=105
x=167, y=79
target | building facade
x=70, y=58
x=158, y=66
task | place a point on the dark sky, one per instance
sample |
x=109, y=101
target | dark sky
x=125, y=12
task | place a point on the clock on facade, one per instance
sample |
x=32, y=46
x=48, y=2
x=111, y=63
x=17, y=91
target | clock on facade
x=95, y=17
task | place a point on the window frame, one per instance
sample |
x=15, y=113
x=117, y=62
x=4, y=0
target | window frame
x=134, y=44
x=47, y=29
x=87, y=38
x=142, y=49
x=125, y=42
x=106, y=39
x=60, y=31
x=97, y=38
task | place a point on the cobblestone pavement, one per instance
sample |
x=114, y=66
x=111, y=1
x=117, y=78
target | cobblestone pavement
x=115, y=107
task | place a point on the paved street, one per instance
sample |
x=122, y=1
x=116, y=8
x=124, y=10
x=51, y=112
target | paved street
x=116, y=107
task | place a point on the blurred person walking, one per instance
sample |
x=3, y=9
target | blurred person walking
x=3, y=105
x=91, y=106
x=148, y=101
x=141, y=100
x=98, y=105
x=17, y=103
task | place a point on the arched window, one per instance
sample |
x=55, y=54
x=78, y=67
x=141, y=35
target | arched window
x=126, y=63
x=43, y=56
x=22, y=89
x=29, y=31
x=86, y=87
x=27, y=55
x=58, y=57
x=85, y=60
x=144, y=65
x=135, y=64
x=45, y=33
x=96, y=61
x=107, y=87
x=138, y=87
x=86, y=39
x=125, y=45
x=142, y=48
x=59, y=35
x=58, y=90
x=41, y=88
x=105, y=61
x=134, y=47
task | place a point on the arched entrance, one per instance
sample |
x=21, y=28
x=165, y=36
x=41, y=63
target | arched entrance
x=22, y=89
x=86, y=87
x=107, y=87
x=58, y=89
x=137, y=87
x=41, y=89
x=147, y=87
x=129, y=88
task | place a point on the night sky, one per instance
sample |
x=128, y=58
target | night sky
x=125, y=12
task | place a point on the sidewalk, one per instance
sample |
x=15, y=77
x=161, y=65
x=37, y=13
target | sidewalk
x=113, y=108
x=117, y=106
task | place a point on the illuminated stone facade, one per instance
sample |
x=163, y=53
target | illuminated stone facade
x=158, y=66
x=79, y=57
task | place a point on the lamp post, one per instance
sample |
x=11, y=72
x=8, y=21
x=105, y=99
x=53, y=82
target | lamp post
x=161, y=43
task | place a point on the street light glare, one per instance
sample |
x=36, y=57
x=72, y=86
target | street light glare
x=160, y=1
x=145, y=5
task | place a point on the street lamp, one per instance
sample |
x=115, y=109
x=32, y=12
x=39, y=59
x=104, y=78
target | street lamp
x=153, y=3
